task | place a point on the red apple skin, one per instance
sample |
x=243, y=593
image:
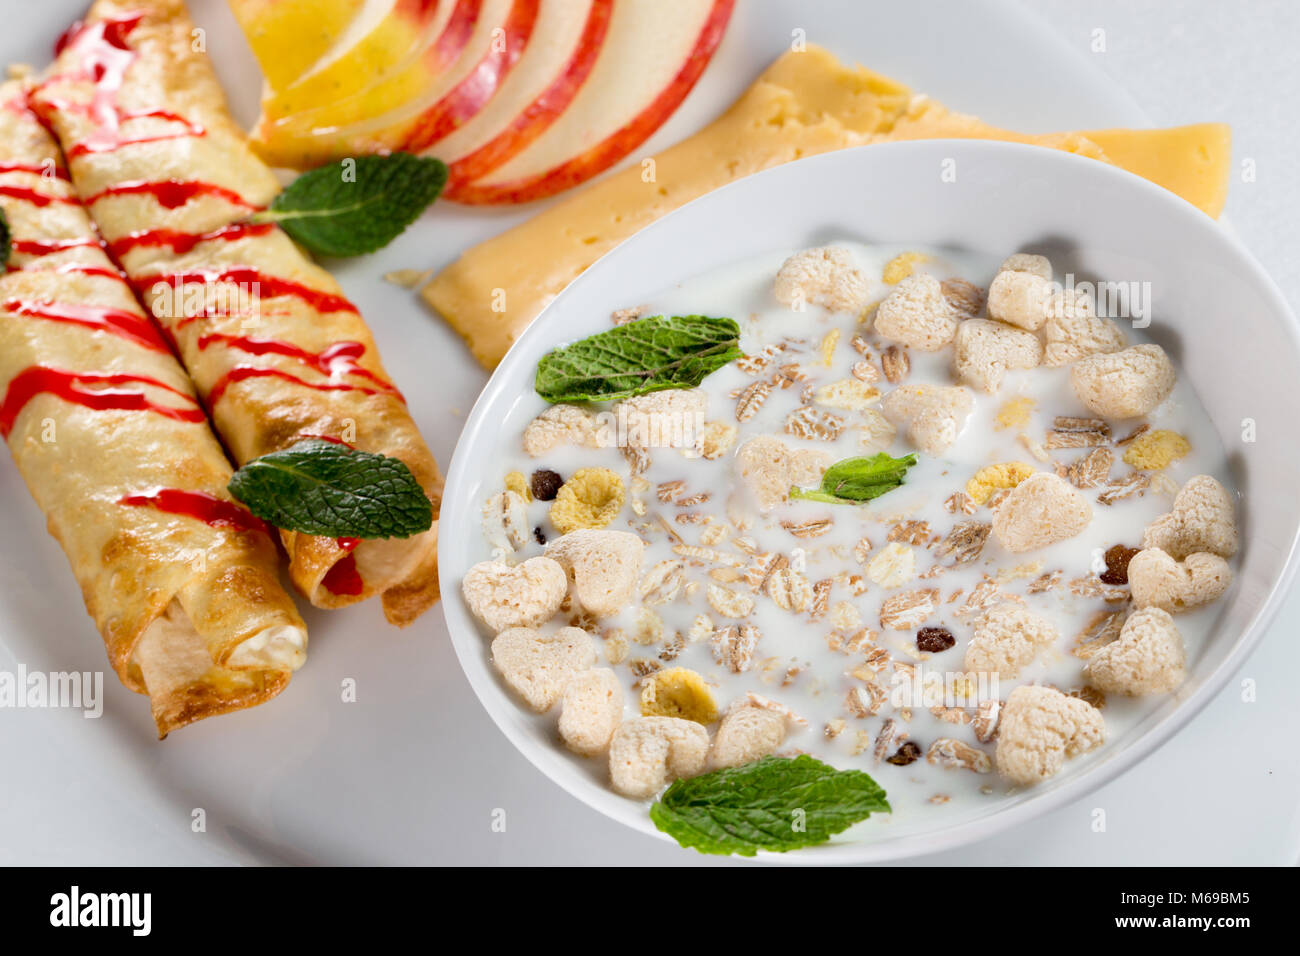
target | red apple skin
x=468, y=96
x=619, y=143
x=455, y=34
x=534, y=119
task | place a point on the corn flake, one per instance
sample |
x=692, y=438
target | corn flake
x=592, y=498
x=679, y=692
x=1154, y=450
x=997, y=477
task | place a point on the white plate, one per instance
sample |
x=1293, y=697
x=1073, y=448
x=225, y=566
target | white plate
x=412, y=771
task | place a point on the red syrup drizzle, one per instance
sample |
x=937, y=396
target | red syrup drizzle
x=47, y=247
x=211, y=510
x=183, y=242
x=38, y=199
x=70, y=386
x=105, y=58
x=38, y=169
x=170, y=193
x=266, y=287
x=119, y=322
x=337, y=360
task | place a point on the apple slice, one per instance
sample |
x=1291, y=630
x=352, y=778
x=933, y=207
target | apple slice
x=647, y=66
x=386, y=38
x=464, y=100
x=306, y=137
x=558, y=60
x=289, y=36
x=443, y=88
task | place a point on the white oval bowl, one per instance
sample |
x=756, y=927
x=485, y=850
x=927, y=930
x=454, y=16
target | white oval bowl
x=1217, y=313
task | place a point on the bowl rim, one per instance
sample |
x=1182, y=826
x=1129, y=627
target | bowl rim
x=467, y=639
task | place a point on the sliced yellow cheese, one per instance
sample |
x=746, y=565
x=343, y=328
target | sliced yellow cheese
x=805, y=103
x=928, y=119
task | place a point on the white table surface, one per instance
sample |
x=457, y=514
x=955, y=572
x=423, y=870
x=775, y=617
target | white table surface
x=1182, y=62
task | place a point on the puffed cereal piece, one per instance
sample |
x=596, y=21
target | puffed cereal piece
x=745, y=735
x=503, y=596
x=1041, y=510
x=826, y=276
x=646, y=753
x=1075, y=331
x=1157, y=580
x=1002, y=476
x=1039, y=728
x=1029, y=262
x=591, y=708
x=984, y=351
x=591, y=498
x=603, y=565
x=669, y=418
x=933, y=415
x=769, y=468
x=678, y=692
x=1124, y=384
x=538, y=666
x=1156, y=449
x=1006, y=639
x=1020, y=299
x=1201, y=520
x=1147, y=658
x=917, y=314
x=561, y=425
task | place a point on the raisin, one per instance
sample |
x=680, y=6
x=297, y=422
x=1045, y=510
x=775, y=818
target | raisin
x=539, y=536
x=1117, y=558
x=908, y=753
x=934, y=639
x=545, y=483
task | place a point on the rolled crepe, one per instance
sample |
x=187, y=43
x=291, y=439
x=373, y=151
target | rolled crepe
x=109, y=435
x=276, y=350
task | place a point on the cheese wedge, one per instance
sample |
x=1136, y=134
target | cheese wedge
x=804, y=103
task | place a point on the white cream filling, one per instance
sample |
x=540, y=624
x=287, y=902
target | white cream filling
x=283, y=647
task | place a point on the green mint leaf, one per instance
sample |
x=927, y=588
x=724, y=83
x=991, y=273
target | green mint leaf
x=855, y=480
x=321, y=487
x=646, y=355
x=776, y=804
x=6, y=246
x=356, y=206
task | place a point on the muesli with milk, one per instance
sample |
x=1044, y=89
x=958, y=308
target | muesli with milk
x=906, y=524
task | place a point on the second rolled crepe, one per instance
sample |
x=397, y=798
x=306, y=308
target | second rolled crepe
x=276, y=350
x=107, y=432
